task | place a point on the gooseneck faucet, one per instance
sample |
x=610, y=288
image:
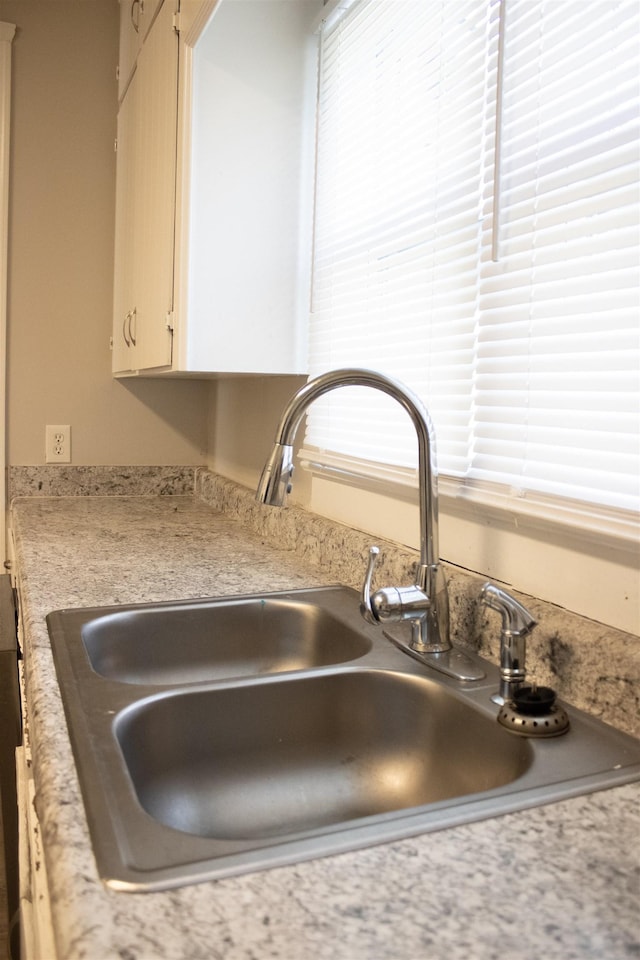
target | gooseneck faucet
x=425, y=604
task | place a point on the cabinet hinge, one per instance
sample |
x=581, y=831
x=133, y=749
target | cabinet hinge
x=169, y=321
x=176, y=21
x=118, y=72
x=110, y=343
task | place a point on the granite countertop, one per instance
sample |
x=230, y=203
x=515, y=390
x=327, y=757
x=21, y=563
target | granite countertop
x=560, y=881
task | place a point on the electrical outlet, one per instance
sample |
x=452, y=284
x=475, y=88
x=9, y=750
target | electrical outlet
x=58, y=444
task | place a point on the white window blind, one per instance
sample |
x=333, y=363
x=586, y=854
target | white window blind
x=399, y=182
x=501, y=285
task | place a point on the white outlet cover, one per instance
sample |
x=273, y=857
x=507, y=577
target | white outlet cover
x=58, y=443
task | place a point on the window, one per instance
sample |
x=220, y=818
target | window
x=477, y=237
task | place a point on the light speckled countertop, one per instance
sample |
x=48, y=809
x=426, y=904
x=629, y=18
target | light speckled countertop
x=560, y=881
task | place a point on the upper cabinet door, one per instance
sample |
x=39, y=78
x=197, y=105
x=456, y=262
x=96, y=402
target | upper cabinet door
x=145, y=204
x=124, y=325
x=155, y=189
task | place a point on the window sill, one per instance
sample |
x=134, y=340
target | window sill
x=593, y=523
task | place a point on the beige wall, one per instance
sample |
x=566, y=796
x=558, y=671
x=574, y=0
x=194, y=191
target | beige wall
x=62, y=192
x=243, y=416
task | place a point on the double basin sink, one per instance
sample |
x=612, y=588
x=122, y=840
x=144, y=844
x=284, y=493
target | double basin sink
x=216, y=737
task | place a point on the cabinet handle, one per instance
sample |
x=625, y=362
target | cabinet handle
x=133, y=331
x=135, y=14
x=126, y=320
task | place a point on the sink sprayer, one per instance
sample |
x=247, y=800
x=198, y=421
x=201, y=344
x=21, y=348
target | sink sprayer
x=530, y=711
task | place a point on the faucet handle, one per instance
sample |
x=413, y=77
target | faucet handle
x=392, y=604
x=366, y=608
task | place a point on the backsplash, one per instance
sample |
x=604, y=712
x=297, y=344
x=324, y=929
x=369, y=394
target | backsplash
x=101, y=481
x=590, y=665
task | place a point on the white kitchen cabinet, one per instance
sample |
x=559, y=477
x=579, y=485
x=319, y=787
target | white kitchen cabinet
x=123, y=293
x=145, y=203
x=235, y=286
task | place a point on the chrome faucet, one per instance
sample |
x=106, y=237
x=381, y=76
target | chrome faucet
x=425, y=605
x=517, y=622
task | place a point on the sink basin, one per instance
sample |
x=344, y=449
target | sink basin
x=187, y=642
x=273, y=759
x=223, y=736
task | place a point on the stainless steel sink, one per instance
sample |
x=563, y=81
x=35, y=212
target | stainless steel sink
x=217, y=737
x=187, y=642
x=271, y=759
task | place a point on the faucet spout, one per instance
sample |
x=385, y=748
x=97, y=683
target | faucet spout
x=276, y=475
x=275, y=481
x=431, y=610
